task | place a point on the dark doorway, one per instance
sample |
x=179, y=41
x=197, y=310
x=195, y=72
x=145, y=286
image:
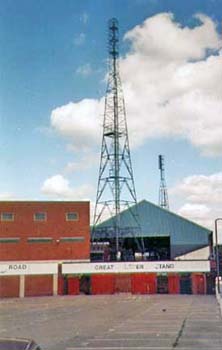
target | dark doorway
x=157, y=248
x=162, y=284
x=65, y=285
x=210, y=277
x=85, y=285
x=185, y=284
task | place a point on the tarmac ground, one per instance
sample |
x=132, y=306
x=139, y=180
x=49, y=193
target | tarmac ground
x=124, y=321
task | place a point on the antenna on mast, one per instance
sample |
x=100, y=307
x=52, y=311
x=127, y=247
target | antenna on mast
x=163, y=196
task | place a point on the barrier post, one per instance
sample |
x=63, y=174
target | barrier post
x=21, y=286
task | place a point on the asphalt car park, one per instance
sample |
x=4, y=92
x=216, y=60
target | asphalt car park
x=124, y=321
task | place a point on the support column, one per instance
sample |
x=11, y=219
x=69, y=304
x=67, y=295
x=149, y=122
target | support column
x=55, y=284
x=22, y=286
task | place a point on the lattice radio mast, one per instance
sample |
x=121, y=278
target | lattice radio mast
x=116, y=189
x=163, y=196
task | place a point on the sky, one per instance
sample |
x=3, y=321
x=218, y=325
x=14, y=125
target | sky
x=53, y=70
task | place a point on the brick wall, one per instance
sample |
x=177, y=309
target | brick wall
x=38, y=285
x=9, y=286
x=56, y=227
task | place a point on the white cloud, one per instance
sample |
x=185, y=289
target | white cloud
x=171, y=88
x=105, y=215
x=84, y=18
x=197, y=211
x=79, y=39
x=87, y=161
x=202, y=196
x=171, y=92
x=84, y=70
x=79, y=121
x=58, y=186
x=201, y=189
x=7, y=196
x=161, y=38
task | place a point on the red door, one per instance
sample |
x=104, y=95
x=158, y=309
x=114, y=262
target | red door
x=198, y=283
x=102, y=284
x=139, y=283
x=144, y=283
x=151, y=283
x=122, y=283
x=173, y=284
x=73, y=285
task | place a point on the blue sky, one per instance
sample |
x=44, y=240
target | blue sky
x=54, y=53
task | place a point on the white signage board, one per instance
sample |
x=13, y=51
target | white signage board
x=22, y=268
x=133, y=267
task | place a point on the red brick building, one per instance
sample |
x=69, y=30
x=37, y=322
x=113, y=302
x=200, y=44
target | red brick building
x=44, y=231
x=43, y=247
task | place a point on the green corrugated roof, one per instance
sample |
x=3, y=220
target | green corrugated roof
x=156, y=221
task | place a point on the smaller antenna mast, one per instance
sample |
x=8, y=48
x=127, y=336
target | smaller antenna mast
x=163, y=196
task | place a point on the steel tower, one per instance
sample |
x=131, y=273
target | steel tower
x=163, y=196
x=116, y=189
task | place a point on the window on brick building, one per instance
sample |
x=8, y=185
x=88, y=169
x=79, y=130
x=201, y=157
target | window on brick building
x=40, y=216
x=7, y=217
x=72, y=216
x=39, y=239
x=72, y=239
x=9, y=240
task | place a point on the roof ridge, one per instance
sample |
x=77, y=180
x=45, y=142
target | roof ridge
x=173, y=213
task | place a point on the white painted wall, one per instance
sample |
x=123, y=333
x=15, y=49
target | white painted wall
x=134, y=267
x=199, y=254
